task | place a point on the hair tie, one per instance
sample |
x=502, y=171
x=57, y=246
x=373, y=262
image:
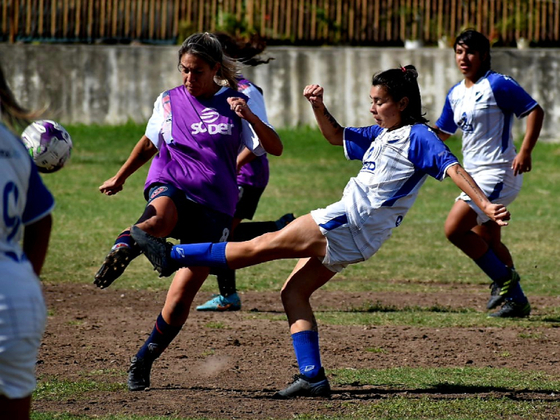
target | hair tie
x=403, y=69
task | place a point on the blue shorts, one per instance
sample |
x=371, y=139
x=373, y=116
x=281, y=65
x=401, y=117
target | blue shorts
x=197, y=223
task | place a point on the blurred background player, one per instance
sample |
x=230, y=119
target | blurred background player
x=253, y=172
x=482, y=105
x=194, y=135
x=397, y=154
x=25, y=212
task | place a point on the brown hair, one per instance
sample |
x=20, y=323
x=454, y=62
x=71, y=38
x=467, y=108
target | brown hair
x=206, y=46
x=12, y=114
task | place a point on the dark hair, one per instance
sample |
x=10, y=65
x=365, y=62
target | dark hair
x=400, y=83
x=11, y=113
x=476, y=41
x=207, y=47
x=246, y=51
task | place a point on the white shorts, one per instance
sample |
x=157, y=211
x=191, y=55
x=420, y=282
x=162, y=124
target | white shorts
x=341, y=247
x=22, y=323
x=500, y=187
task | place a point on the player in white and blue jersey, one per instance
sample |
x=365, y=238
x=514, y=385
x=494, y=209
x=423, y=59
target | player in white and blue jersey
x=25, y=206
x=483, y=106
x=397, y=155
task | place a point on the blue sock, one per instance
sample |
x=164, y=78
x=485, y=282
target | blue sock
x=205, y=255
x=124, y=239
x=159, y=339
x=306, y=346
x=493, y=267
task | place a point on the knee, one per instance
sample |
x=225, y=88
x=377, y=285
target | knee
x=291, y=295
x=450, y=233
x=156, y=226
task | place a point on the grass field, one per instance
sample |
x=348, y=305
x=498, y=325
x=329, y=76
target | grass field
x=417, y=259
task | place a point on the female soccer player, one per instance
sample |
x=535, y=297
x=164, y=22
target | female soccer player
x=398, y=154
x=483, y=106
x=253, y=174
x=25, y=212
x=197, y=130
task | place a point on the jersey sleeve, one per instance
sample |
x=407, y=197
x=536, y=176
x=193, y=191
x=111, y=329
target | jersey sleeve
x=428, y=153
x=445, y=122
x=510, y=96
x=155, y=123
x=356, y=140
x=256, y=102
x=39, y=202
x=248, y=134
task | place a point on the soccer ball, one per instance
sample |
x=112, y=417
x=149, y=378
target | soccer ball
x=49, y=144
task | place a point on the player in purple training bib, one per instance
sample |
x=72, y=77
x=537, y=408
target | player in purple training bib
x=252, y=177
x=398, y=154
x=483, y=106
x=194, y=136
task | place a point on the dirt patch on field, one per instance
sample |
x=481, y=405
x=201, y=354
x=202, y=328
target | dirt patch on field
x=227, y=365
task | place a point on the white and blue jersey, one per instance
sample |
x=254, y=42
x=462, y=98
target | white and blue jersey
x=395, y=164
x=24, y=199
x=484, y=112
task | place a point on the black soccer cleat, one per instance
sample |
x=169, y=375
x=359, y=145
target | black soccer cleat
x=498, y=293
x=302, y=386
x=139, y=374
x=157, y=250
x=513, y=309
x=114, y=265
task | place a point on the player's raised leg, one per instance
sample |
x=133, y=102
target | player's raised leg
x=301, y=238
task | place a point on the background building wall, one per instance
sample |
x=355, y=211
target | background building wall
x=114, y=84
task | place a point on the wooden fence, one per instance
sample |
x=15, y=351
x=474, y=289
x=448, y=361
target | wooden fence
x=299, y=22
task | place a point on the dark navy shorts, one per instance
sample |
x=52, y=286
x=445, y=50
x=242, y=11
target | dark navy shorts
x=197, y=223
x=249, y=197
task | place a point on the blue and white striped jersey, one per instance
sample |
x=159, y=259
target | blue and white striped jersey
x=395, y=165
x=484, y=112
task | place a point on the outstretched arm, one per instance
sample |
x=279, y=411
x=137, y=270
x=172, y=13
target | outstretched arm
x=142, y=153
x=497, y=212
x=522, y=162
x=329, y=127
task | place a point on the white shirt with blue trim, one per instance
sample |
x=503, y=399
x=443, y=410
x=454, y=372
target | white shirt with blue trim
x=484, y=112
x=395, y=164
x=24, y=199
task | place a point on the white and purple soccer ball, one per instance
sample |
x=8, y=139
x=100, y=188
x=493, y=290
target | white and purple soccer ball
x=49, y=144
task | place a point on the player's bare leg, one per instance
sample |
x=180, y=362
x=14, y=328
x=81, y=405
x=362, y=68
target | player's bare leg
x=308, y=275
x=301, y=238
x=461, y=229
x=176, y=309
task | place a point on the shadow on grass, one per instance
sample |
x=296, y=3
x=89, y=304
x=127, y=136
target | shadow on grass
x=438, y=391
x=445, y=390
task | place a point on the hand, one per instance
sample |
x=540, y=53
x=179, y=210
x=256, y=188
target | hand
x=498, y=213
x=240, y=107
x=522, y=163
x=111, y=186
x=314, y=94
